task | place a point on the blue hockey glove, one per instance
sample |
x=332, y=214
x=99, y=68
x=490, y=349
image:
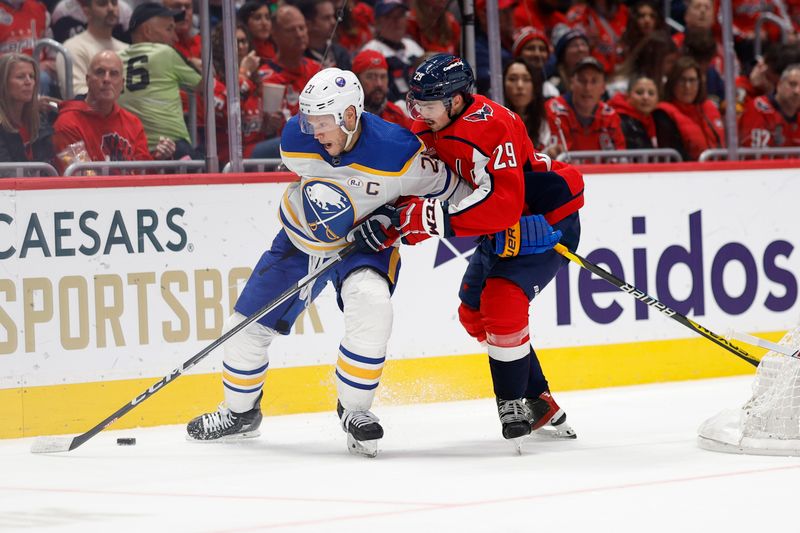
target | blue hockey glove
x=531, y=235
x=376, y=233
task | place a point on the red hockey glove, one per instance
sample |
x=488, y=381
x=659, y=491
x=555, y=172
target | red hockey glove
x=421, y=218
x=471, y=320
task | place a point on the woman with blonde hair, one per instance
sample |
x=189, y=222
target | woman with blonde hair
x=24, y=135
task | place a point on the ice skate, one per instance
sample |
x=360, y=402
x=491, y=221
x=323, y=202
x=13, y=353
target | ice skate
x=548, y=420
x=363, y=431
x=225, y=425
x=516, y=420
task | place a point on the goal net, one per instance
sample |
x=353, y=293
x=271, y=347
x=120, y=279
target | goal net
x=769, y=423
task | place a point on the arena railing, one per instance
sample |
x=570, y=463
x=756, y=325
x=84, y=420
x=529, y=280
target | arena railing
x=106, y=168
x=782, y=23
x=40, y=45
x=721, y=154
x=24, y=170
x=256, y=165
x=192, y=118
x=648, y=155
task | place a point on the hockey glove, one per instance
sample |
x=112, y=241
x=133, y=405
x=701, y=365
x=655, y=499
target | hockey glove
x=421, y=218
x=531, y=235
x=376, y=233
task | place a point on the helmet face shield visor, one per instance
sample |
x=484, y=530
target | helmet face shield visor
x=428, y=110
x=317, y=124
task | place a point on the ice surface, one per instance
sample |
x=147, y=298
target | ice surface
x=442, y=467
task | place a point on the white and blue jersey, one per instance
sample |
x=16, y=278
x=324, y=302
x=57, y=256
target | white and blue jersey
x=335, y=193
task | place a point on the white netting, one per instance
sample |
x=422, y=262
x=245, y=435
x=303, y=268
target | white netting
x=769, y=423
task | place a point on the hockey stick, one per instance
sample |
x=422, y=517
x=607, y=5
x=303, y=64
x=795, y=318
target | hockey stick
x=763, y=343
x=66, y=444
x=655, y=304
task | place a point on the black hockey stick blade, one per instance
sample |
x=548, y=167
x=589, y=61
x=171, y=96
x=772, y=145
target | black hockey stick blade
x=65, y=444
x=655, y=304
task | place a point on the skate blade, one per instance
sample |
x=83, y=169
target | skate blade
x=517, y=443
x=562, y=431
x=364, y=448
x=238, y=437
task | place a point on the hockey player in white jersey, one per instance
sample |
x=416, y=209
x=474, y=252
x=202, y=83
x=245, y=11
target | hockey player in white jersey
x=350, y=163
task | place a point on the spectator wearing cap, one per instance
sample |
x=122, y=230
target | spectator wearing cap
x=603, y=22
x=531, y=46
x=102, y=16
x=290, y=68
x=543, y=15
x=686, y=120
x=506, y=22
x=434, y=27
x=773, y=120
x=571, y=46
x=402, y=53
x=373, y=73
x=257, y=19
x=580, y=119
x=320, y=18
x=188, y=42
x=154, y=74
x=108, y=132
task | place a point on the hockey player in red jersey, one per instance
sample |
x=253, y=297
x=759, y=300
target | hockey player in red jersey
x=522, y=203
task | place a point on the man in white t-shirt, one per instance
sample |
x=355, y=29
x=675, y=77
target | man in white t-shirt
x=101, y=17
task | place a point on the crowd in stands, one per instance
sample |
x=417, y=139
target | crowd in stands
x=582, y=74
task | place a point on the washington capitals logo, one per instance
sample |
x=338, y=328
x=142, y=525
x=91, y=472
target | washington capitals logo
x=482, y=114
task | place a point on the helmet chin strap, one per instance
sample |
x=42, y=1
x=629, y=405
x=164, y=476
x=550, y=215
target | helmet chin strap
x=349, y=141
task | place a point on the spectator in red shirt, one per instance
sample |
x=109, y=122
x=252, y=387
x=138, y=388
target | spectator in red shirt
x=256, y=17
x=635, y=112
x=291, y=68
x=433, y=26
x=355, y=29
x=772, y=121
x=22, y=22
x=107, y=131
x=603, y=22
x=188, y=43
x=373, y=73
x=686, y=120
x=541, y=14
x=580, y=119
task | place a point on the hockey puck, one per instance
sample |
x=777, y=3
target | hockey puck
x=126, y=442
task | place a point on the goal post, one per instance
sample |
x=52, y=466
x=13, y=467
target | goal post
x=769, y=422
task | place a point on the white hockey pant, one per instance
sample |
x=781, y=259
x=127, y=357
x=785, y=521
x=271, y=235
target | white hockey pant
x=245, y=363
x=368, y=325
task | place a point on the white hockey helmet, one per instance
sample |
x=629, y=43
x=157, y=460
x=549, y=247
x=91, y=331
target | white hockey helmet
x=330, y=92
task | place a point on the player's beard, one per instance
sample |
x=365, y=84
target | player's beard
x=375, y=101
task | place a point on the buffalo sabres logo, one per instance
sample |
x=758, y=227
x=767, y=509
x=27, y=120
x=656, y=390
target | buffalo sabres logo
x=328, y=210
x=480, y=115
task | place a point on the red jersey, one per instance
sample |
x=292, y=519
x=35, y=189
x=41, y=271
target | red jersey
x=603, y=133
x=763, y=124
x=745, y=14
x=294, y=79
x=359, y=33
x=700, y=125
x=604, y=34
x=488, y=146
x=528, y=13
x=189, y=47
x=116, y=137
x=20, y=28
x=250, y=104
x=437, y=44
x=264, y=49
x=392, y=113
